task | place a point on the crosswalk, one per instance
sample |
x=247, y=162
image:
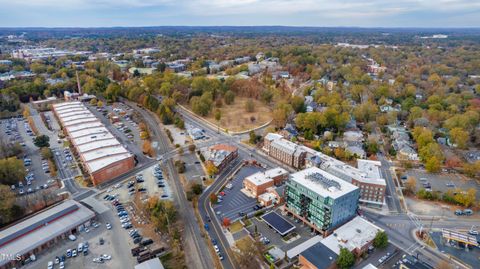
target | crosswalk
x=396, y=225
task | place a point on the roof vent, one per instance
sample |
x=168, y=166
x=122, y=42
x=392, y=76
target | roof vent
x=359, y=231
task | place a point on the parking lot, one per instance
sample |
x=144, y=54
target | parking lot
x=233, y=202
x=37, y=176
x=442, y=181
x=115, y=244
x=148, y=185
x=127, y=134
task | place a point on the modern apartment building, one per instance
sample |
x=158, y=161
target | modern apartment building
x=320, y=199
x=367, y=176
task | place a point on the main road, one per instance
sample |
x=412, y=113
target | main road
x=196, y=249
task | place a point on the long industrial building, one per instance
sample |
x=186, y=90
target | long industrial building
x=38, y=233
x=103, y=157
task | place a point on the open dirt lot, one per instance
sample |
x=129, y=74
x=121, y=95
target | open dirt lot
x=235, y=118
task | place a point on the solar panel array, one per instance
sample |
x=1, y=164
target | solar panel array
x=325, y=182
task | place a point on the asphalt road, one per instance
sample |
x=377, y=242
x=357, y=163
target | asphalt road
x=392, y=200
x=400, y=229
x=198, y=255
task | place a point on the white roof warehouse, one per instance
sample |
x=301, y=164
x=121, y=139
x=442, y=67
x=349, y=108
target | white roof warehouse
x=102, y=155
x=36, y=233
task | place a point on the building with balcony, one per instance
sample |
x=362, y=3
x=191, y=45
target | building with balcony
x=320, y=199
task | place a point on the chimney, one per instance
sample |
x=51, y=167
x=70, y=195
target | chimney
x=78, y=84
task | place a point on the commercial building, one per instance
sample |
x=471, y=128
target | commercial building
x=154, y=263
x=258, y=183
x=34, y=235
x=283, y=150
x=367, y=176
x=221, y=155
x=356, y=236
x=101, y=154
x=320, y=199
x=318, y=256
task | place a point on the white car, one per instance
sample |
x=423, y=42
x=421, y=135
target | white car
x=62, y=265
x=216, y=248
x=50, y=265
x=106, y=257
x=109, y=226
x=473, y=232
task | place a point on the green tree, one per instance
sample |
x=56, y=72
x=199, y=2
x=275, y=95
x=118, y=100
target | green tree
x=380, y=240
x=229, y=97
x=253, y=137
x=41, y=141
x=298, y=104
x=218, y=117
x=202, y=105
x=11, y=171
x=345, y=259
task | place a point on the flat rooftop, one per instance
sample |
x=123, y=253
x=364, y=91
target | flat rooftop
x=263, y=177
x=320, y=256
x=43, y=227
x=106, y=161
x=353, y=234
x=97, y=147
x=322, y=182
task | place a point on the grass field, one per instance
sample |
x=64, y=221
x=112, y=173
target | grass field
x=235, y=227
x=235, y=118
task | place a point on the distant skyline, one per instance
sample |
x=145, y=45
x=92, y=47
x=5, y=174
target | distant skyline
x=328, y=13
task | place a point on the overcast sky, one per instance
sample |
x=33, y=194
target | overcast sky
x=363, y=13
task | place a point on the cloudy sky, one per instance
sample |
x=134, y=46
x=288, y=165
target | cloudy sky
x=363, y=13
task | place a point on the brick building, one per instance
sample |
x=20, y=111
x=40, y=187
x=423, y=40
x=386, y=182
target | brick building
x=101, y=154
x=259, y=182
x=283, y=150
x=221, y=155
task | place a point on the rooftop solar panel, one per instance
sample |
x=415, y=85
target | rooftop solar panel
x=278, y=223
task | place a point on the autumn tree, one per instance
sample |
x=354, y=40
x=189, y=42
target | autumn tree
x=249, y=105
x=218, y=117
x=11, y=171
x=213, y=198
x=211, y=168
x=147, y=148
x=226, y=222
x=26, y=112
x=410, y=185
x=459, y=137
x=7, y=200
x=229, y=97
x=433, y=164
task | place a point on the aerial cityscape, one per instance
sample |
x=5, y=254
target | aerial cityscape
x=240, y=135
